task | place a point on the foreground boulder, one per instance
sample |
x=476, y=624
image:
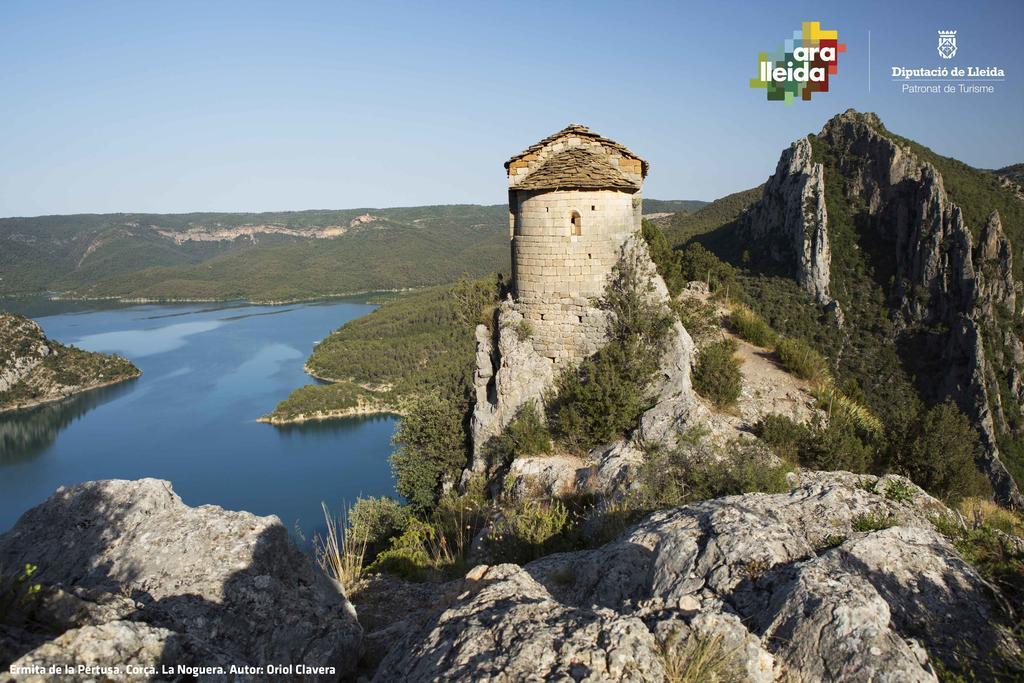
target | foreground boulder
x=131, y=575
x=842, y=578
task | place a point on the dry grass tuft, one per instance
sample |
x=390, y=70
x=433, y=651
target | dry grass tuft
x=339, y=554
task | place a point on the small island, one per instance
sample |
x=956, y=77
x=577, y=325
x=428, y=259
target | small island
x=35, y=369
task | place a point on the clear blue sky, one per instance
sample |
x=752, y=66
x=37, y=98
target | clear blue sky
x=180, y=106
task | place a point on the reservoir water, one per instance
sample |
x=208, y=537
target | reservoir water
x=209, y=370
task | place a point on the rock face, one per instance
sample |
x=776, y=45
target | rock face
x=132, y=575
x=792, y=219
x=34, y=369
x=785, y=583
x=938, y=278
x=22, y=347
x=523, y=375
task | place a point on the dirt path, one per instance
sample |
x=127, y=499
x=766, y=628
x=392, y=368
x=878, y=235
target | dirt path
x=767, y=387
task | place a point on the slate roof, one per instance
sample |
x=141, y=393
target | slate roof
x=582, y=131
x=577, y=168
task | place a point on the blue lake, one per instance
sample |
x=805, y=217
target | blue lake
x=209, y=370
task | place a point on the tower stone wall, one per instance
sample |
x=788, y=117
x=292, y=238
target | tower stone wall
x=574, y=212
x=557, y=274
x=574, y=201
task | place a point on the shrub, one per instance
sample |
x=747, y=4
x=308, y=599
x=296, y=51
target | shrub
x=604, y=396
x=340, y=553
x=377, y=520
x=696, y=316
x=528, y=529
x=437, y=546
x=474, y=301
x=836, y=403
x=524, y=330
x=415, y=555
x=525, y=435
x=802, y=360
x=997, y=556
x=873, y=521
x=665, y=259
x=17, y=591
x=983, y=512
x=717, y=376
x=431, y=449
x=751, y=327
x=940, y=456
x=898, y=491
x=698, y=470
x=783, y=435
x=834, y=444
x=698, y=263
x=699, y=659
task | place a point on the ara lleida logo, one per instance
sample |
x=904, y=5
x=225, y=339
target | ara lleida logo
x=802, y=66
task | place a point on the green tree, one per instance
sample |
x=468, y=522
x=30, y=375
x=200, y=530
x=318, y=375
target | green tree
x=431, y=449
x=604, y=396
x=941, y=455
x=664, y=257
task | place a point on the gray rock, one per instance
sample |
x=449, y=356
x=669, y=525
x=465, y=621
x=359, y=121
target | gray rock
x=793, y=220
x=507, y=627
x=784, y=581
x=120, y=553
x=521, y=375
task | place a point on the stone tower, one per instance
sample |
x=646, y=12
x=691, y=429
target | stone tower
x=574, y=200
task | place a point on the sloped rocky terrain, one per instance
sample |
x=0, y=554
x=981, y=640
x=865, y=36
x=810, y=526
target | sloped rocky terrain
x=842, y=578
x=34, y=369
x=130, y=575
x=872, y=225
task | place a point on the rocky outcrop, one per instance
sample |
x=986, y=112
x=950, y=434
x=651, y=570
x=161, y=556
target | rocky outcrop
x=35, y=370
x=996, y=285
x=939, y=278
x=791, y=220
x=22, y=347
x=252, y=232
x=839, y=579
x=131, y=575
x=523, y=375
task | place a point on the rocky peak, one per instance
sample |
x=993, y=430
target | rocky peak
x=995, y=266
x=938, y=278
x=22, y=347
x=791, y=219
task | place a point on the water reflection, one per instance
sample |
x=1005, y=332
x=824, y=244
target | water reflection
x=330, y=428
x=24, y=434
x=141, y=343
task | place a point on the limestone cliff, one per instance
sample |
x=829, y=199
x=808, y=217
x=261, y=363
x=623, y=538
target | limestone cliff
x=791, y=219
x=513, y=372
x=937, y=277
x=34, y=369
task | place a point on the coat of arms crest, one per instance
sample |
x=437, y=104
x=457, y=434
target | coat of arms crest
x=947, y=44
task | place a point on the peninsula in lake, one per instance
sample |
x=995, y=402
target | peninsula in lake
x=35, y=369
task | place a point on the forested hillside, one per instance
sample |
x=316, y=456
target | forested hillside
x=266, y=256
x=269, y=256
